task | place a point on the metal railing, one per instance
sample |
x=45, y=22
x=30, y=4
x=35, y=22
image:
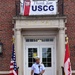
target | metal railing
x=60, y=5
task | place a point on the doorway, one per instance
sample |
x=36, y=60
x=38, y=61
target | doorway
x=45, y=49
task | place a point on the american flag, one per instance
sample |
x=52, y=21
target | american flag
x=13, y=65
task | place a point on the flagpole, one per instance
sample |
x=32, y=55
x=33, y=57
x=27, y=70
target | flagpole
x=66, y=39
x=13, y=64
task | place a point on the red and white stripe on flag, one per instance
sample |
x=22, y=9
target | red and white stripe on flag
x=13, y=64
x=67, y=63
x=12, y=71
x=27, y=7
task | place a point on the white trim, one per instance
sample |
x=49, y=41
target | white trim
x=4, y=72
x=36, y=44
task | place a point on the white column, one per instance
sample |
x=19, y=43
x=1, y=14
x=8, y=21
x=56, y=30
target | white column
x=61, y=49
x=18, y=49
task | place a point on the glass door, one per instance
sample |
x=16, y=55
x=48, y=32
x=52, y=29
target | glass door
x=31, y=52
x=47, y=59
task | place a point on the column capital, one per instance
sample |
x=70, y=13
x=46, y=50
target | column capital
x=18, y=29
x=61, y=29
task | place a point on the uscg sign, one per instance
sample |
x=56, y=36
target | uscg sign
x=40, y=8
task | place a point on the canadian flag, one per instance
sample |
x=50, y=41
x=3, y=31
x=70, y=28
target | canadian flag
x=67, y=63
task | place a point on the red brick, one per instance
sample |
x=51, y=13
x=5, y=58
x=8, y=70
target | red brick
x=69, y=11
x=7, y=11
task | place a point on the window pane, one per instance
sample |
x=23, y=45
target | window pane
x=47, y=40
x=41, y=40
x=43, y=60
x=44, y=50
x=45, y=64
x=48, y=49
x=49, y=64
x=27, y=40
x=49, y=60
x=35, y=50
x=51, y=40
x=30, y=64
x=31, y=52
x=33, y=60
x=30, y=60
x=31, y=40
x=46, y=57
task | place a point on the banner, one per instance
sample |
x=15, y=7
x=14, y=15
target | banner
x=31, y=7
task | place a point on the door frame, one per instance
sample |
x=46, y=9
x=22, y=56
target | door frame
x=51, y=43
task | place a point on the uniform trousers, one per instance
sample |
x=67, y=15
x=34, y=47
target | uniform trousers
x=37, y=74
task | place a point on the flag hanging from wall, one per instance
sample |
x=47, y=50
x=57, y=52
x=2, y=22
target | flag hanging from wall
x=67, y=63
x=38, y=7
x=13, y=65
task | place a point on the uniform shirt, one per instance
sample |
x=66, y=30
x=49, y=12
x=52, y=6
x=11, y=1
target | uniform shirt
x=37, y=68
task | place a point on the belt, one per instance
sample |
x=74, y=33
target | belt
x=36, y=74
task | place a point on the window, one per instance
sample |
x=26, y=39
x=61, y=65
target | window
x=40, y=40
x=31, y=60
x=46, y=57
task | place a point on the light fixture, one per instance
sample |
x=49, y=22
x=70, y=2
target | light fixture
x=39, y=40
x=1, y=47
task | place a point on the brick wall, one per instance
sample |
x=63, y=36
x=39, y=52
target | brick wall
x=73, y=74
x=7, y=11
x=69, y=11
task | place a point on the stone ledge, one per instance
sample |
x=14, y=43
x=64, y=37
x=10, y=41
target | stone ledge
x=4, y=72
x=55, y=17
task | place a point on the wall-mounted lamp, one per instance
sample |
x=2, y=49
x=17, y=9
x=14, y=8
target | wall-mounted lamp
x=1, y=47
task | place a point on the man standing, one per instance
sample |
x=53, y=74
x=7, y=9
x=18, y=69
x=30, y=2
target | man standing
x=37, y=68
